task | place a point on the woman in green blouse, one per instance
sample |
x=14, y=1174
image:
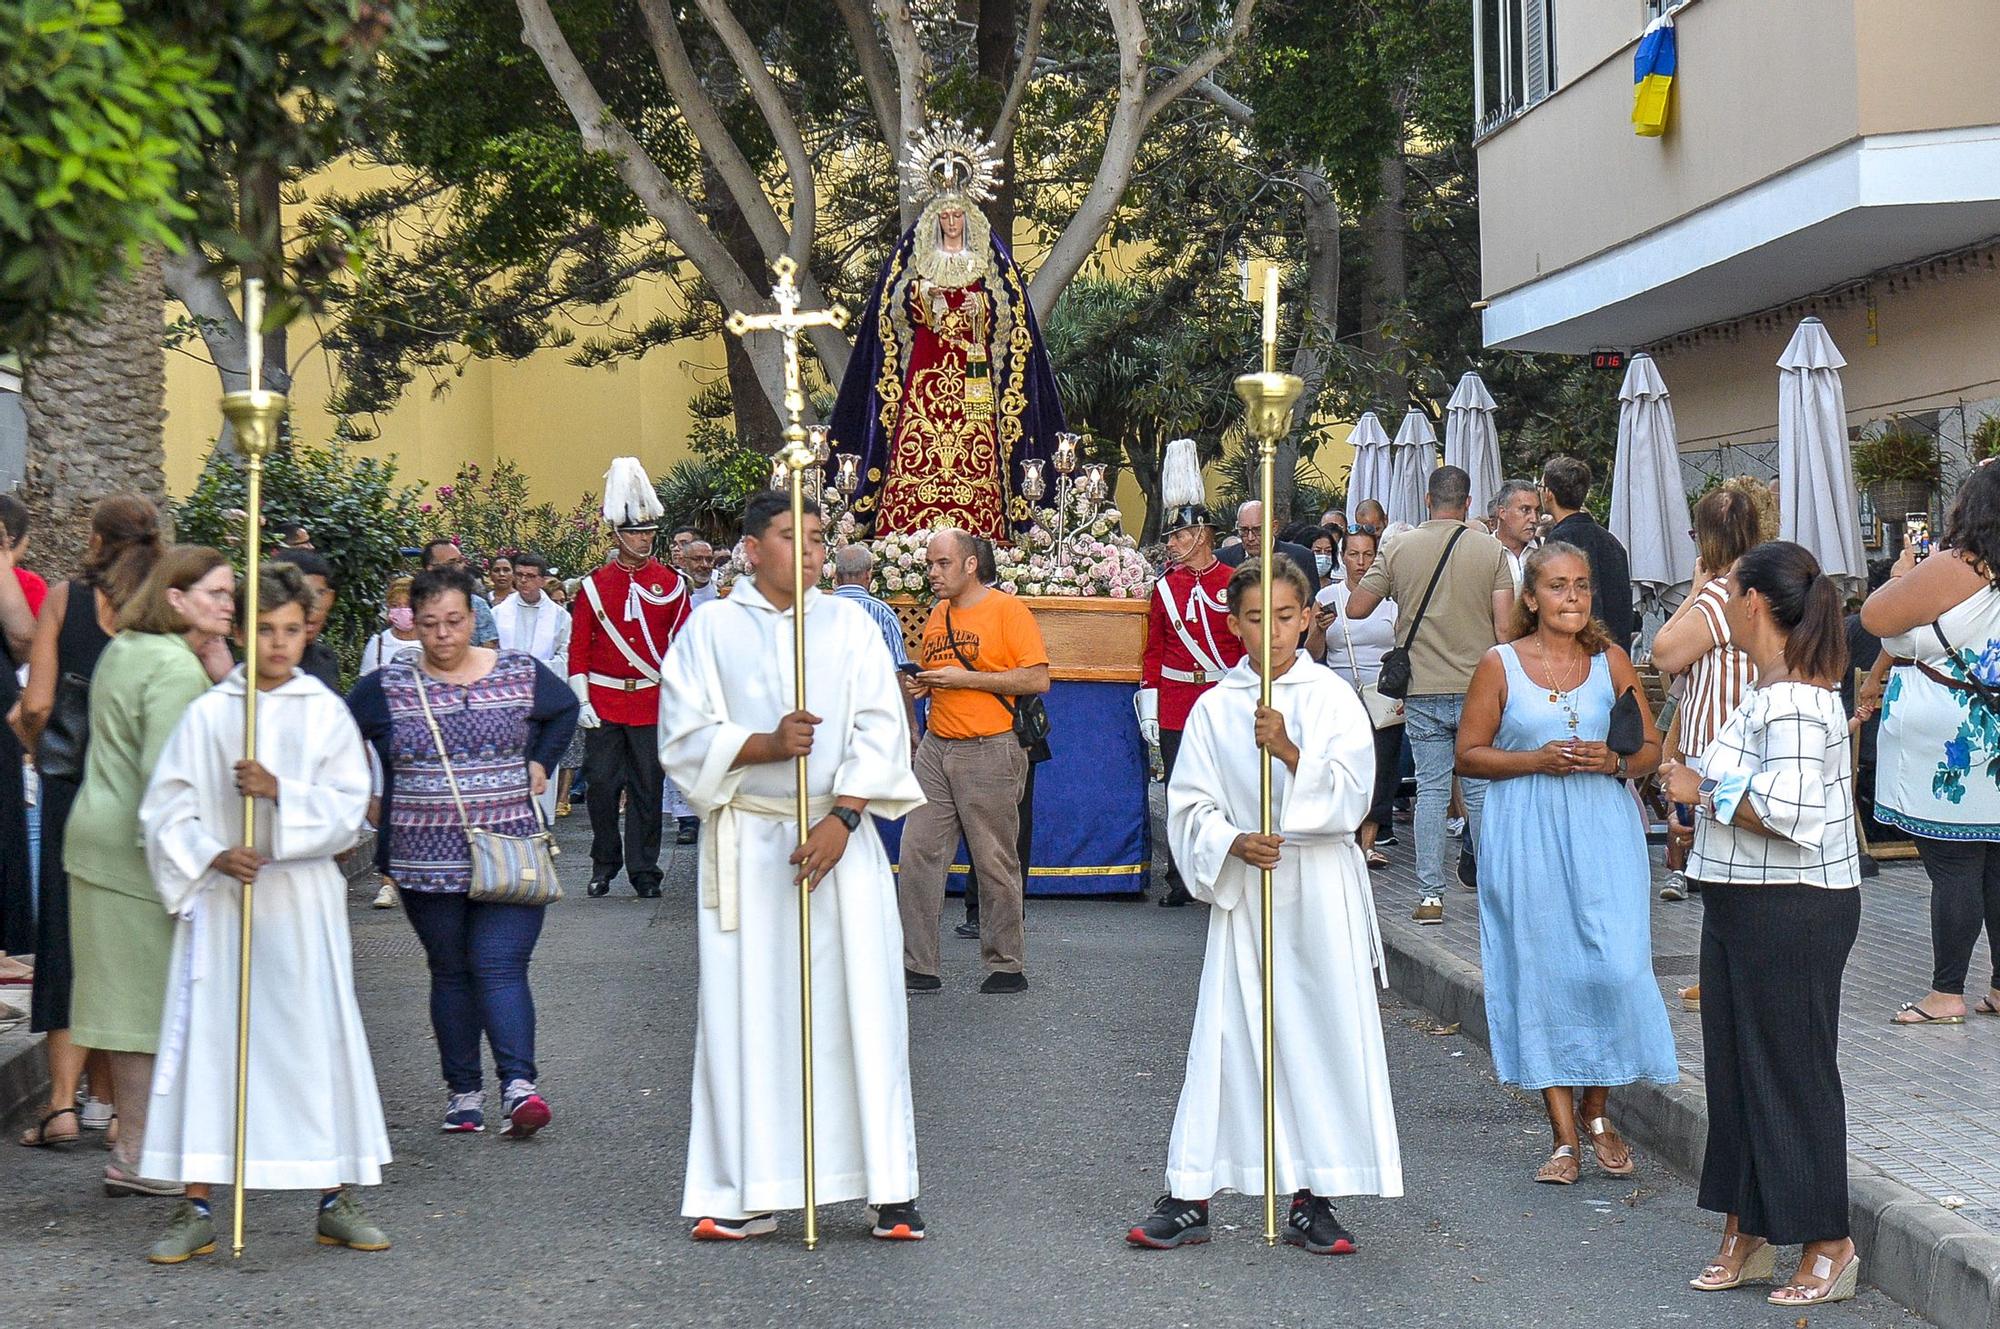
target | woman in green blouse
x=171, y=644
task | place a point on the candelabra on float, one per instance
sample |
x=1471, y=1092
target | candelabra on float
x=1065, y=459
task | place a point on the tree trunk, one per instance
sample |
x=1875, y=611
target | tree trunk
x=1388, y=287
x=757, y=422
x=994, y=47
x=95, y=398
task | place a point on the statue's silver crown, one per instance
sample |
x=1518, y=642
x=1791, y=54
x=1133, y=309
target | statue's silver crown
x=945, y=157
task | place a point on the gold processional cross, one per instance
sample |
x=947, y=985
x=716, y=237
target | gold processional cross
x=788, y=322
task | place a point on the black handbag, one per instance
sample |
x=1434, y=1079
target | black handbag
x=1626, y=733
x=59, y=753
x=1393, y=678
x=1031, y=714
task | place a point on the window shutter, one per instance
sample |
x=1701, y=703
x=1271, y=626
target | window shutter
x=1534, y=50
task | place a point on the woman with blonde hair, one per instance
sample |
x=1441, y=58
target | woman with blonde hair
x=1565, y=927
x=171, y=635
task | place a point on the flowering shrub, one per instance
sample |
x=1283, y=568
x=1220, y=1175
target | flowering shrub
x=488, y=513
x=1095, y=557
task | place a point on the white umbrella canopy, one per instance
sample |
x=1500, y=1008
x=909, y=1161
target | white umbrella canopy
x=1649, y=507
x=1370, y=476
x=1472, y=440
x=1817, y=501
x=1412, y=457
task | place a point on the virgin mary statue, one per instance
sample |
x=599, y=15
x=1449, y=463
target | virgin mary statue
x=949, y=389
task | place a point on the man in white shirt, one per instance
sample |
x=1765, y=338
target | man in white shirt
x=1517, y=511
x=528, y=620
x=698, y=566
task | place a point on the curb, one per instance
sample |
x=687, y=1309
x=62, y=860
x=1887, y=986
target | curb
x=1920, y=1254
x=24, y=1064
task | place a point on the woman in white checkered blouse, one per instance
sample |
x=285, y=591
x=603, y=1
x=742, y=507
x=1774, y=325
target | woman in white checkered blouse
x=1776, y=855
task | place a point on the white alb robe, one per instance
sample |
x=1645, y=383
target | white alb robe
x=729, y=676
x=1336, y=1128
x=314, y=1116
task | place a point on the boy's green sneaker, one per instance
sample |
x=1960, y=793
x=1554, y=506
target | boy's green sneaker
x=190, y=1232
x=343, y=1224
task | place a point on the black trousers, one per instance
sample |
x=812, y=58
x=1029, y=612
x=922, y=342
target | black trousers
x=1024, y=841
x=1777, y=1119
x=624, y=759
x=1388, y=774
x=1965, y=892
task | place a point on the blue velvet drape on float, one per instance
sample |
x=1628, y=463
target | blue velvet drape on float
x=1093, y=835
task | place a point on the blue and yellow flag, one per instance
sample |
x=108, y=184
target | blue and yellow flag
x=1653, y=67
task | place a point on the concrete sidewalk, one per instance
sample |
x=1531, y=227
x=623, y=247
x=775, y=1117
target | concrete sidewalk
x=1923, y=1129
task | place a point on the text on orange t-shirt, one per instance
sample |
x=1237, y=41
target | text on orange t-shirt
x=997, y=633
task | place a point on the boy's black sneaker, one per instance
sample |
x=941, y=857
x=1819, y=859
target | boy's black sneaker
x=1172, y=1223
x=916, y=982
x=1003, y=982
x=896, y=1222
x=1313, y=1227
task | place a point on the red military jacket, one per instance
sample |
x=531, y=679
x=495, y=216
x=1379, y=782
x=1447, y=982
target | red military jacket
x=1188, y=642
x=620, y=628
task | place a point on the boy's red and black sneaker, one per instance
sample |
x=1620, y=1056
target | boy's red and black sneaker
x=1172, y=1223
x=1312, y=1227
x=734, y=1229
x=896, y=1222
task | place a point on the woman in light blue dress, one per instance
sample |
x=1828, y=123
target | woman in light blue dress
x=1565, y=888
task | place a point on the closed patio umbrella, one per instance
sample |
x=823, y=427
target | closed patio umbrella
x=1413, y=455
x=1649, y=507
x=1817, y=501
x=1370, y=477
x=1472, y=440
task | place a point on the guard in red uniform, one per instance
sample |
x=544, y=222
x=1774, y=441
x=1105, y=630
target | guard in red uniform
x=625, y=616
x=1188, y=642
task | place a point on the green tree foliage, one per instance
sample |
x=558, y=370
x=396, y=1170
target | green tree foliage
x=487, y=513
x=360, y=518
x=97, y=118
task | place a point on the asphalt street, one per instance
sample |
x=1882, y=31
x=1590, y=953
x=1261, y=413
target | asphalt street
x=1042, y=1128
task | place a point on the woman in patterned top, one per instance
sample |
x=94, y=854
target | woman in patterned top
x=1939, y=621
x=1776, y=853
x=505, y=719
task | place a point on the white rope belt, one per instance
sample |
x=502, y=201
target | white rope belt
x=721, y=889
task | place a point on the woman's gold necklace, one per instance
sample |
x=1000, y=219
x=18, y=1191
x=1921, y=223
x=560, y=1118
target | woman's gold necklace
x=1559, y=695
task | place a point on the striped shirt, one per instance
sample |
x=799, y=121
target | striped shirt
x=885, y=619
x=1719, y=680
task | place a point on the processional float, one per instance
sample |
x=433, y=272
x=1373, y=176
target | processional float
x=1269, y=396
x=799, y=453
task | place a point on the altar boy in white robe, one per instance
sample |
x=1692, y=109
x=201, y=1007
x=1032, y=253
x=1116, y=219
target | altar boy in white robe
x=314, y=1118
x=1336, y=1129
x=728, y=736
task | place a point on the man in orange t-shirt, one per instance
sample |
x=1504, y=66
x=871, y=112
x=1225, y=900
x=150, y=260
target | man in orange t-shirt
x=981, y=649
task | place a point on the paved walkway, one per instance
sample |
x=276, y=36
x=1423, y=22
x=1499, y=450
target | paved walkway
x=1923, y=1104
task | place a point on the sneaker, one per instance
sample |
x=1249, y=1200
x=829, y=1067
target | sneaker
x=1172, y=1223
x=1430, y=909
x=599, y=888
x=650, y=891
x=1312, y=1227
x=1676, y=887
x=688, y=831
x=1004, y=983
x=1454, y=826
x=916, y=982
x=1468, y=870
x=190, y=1232
x=384, y=898
x=96, y=1115
x=341, y=1223
x=1691, y=998
x=465, y=1114
x=118, y=1182
x=1386, y=841
x=896, y=1222
x=523, y=1109
x=734, y=1229
x=969, y=929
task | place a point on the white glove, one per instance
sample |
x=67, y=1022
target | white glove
x=1146, y=705
x=586, y=715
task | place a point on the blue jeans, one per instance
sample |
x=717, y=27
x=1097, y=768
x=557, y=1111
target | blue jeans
x=35, y=851
x=1432, y=727
x=478, y=954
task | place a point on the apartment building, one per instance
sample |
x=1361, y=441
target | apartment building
x=1838, y=158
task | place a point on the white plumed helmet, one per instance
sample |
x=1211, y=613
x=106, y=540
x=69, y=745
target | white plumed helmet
x=629, y=501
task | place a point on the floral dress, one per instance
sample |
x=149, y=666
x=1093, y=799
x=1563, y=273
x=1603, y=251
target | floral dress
x=1938, y=772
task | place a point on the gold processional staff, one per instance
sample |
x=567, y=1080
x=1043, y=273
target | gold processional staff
x=788, y=322
x=255, y=414
x=1269, y=396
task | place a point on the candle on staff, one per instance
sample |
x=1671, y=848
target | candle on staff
x=1270, y=318
x=253, y=329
